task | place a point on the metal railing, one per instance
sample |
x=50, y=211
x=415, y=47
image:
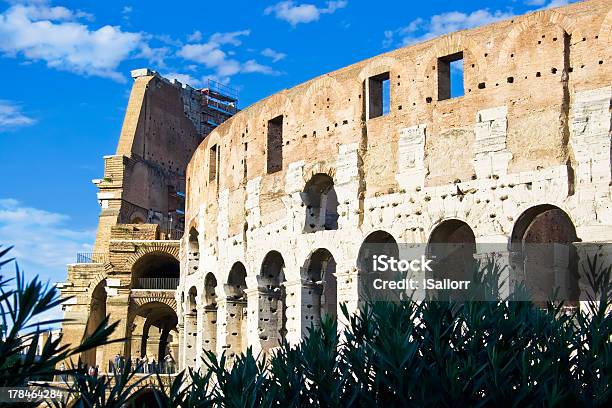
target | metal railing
x=156, y=283
x=92, y=257
x=172, y=234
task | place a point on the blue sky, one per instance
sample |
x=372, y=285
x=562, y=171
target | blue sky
x=65, y=69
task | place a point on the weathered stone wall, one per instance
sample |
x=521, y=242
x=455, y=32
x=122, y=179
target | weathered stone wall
x=532, y=128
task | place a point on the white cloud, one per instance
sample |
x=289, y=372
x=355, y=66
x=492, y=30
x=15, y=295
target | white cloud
x=39, y=32
x=195, y=36
x=212, y=56
x=12, y=117
x=295, y=14
x=43, y=241
x=232, y=38
x=274, y=55
x=252, y=66
x=557, y=3
x=421, y=30
x=184, y=79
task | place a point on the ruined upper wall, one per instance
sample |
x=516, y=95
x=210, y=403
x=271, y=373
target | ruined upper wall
x=161, y=130
x=522, y=73
x=162, y=122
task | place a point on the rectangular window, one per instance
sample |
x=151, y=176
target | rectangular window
x=275, y=145
x=450, y=76
x=379, y=95
x=212, y=164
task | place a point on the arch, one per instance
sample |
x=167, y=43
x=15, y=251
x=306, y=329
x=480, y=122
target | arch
x=97, y=313
x=321, y=296
x=272, y=301
x=605, y=32
x=377, y=66
x=323, y=91
x=146, y=397
x=156, y=270
x=137, y=218
x=236, y=303
x=153, y=334
x=170, y=249
x=543, y=256
x=537, y=18
x=451, y=246
x=321, y=201
x=193, y=251
x=209, y=329
x=451, y=44
x=376, y=243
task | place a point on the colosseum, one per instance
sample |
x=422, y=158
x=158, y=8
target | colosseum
x=494, y=135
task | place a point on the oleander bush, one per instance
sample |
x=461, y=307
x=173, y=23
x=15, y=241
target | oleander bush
x=391, y=354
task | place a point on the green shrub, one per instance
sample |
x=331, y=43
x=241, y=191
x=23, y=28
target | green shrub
x=435, y=353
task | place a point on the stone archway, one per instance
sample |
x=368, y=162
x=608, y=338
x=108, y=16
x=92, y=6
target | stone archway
x=272, y=326
x=376, y=244
x=452, y=246
x=320, y=288
x=542, y=255
x=156, y=270
x=235, y=305
x=193, y=252
x=321, y=202
x=209, y=329
x=97, y=313
x=154, y=334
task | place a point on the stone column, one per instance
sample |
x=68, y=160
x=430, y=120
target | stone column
x=561, y=273
x=235, y=318
x=303, y=308
x=348, y=291
x=199, y=340
x=495, y=248
x=153, y=339
x=180, y=344
x=117, y=305
x=190, y=339
x=210, y=328
x=253, y=317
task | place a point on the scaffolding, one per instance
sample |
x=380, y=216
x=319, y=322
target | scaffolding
x=220, y=102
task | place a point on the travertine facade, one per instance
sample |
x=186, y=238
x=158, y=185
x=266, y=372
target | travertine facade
x=282, y=197
x=134, y=269
x=310, y=174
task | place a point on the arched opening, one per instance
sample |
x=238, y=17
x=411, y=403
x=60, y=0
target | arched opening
x=154, y=344
x=321, y=201
x=146, y=397
x=321, y=293
x=156, y=270
x=97, y=313
x=137, y=219
x=236, y=305
x=272, y=301
x=451, y=248
x=191, y=327
x=209, y=332
x=543, y=255
x=377, y=244
x=193, y=252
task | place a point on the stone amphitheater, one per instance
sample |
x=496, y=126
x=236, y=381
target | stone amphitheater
x=283, y=196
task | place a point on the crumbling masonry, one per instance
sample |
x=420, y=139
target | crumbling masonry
x=283, y=196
